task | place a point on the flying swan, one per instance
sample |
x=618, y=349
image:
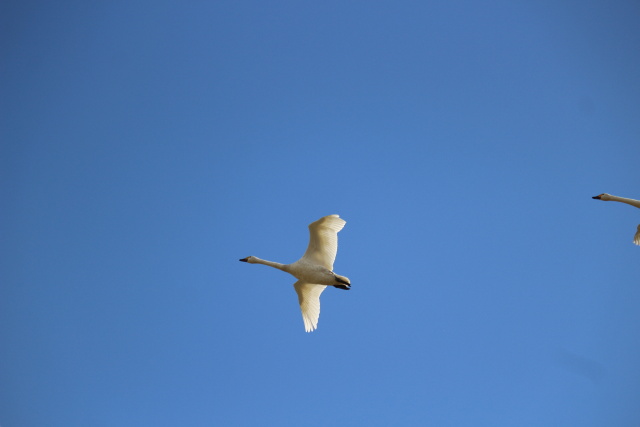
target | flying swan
x=608, y=197
x=314, y=270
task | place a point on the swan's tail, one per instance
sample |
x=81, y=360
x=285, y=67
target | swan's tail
x=345, y=283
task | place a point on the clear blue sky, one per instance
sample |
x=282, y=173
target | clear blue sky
x=147, y=146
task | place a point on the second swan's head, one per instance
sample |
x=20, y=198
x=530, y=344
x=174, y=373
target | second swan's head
x=603, y=196
x=249, y=259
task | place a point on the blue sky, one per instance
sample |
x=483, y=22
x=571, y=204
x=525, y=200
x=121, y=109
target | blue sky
x=147, y=146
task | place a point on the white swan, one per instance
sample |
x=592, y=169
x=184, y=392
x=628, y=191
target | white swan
x=314, y=270
x=608, y=197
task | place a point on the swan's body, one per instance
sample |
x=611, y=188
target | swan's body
x=314, y=270
x=608, y=197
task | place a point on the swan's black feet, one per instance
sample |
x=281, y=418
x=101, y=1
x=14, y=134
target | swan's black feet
x=345, y=287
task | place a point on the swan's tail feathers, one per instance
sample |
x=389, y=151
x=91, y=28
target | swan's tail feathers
x=345, y=283
x=342, y=279
x=636, y=238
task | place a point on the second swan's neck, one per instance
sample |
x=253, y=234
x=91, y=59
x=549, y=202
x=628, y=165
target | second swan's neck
x=631, y=202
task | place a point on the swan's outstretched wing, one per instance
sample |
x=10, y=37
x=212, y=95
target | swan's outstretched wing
x=323, y=240
x=636, y=238
x=309, y=298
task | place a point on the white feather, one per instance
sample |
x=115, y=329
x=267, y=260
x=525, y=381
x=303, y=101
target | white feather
x=309, y=299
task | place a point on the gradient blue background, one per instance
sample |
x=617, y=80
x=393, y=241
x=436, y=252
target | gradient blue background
x=147, y=146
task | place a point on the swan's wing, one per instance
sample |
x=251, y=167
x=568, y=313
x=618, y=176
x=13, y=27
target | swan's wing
x=309, y=298
x=636, y=238
x=323, y=240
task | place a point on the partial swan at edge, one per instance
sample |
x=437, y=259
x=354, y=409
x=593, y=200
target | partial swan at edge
x=608, y=197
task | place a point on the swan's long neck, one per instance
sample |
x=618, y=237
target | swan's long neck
x=631, y=202
x=277, y=265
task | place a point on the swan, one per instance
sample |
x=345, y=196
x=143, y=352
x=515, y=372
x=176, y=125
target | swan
x=608, y=197
x=314, y=270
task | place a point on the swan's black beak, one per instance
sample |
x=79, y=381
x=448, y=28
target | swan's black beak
x=596, y=197
x=244, y=259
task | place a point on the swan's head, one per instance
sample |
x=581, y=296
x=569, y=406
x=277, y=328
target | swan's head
x=603, y=196
x=249, y=259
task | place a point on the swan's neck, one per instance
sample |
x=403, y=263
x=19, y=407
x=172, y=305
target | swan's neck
x=277, y=265
x=631, y=202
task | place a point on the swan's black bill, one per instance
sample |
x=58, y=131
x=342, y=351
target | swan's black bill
x=596, y=197
x=345, y=287
x=245, y=259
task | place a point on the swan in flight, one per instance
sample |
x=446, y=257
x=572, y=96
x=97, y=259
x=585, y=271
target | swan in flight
x=608, y=197
x=314, y=270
